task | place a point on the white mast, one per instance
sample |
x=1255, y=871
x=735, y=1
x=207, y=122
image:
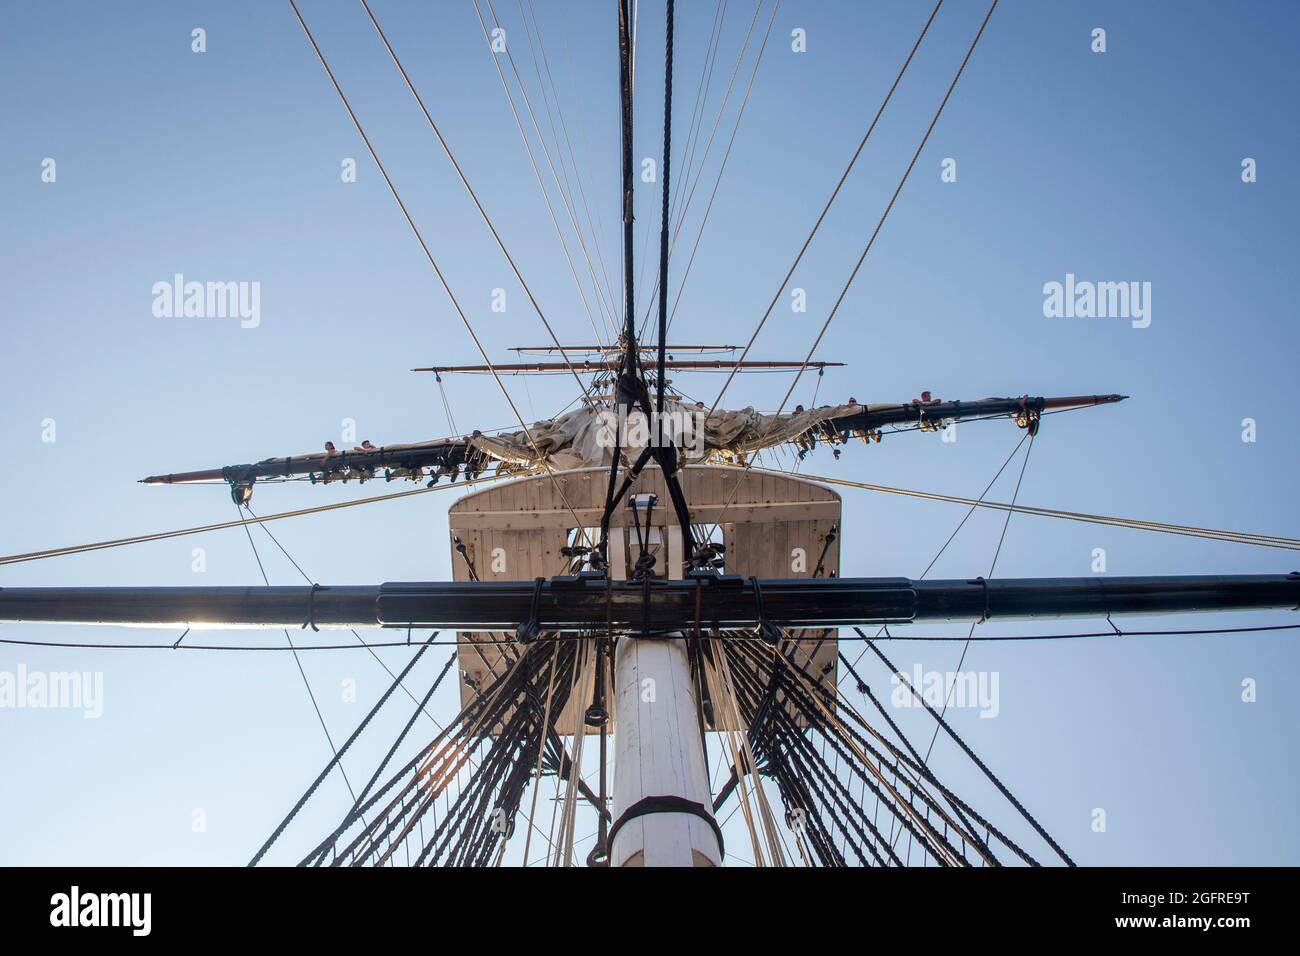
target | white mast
x=659, y=753
x=662, y=804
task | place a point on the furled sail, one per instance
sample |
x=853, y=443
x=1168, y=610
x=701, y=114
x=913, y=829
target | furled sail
x=589, y=436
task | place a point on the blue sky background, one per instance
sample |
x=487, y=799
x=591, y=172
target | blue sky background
x=226, y=166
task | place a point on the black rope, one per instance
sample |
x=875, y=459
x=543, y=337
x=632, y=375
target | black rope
x=837, y=736
x=530, y=630
x=663, y=229
x=464, y=553
x=1078, y=635
x=311, y=607
x=1029, y=818
x=484, y=716
x=779, y=722
x=329, y=738
x=354, y=813
x=338, y=756
x=925, y=771
x=841, y=732
x=826, y=547
x=625, y=113
x=507, y=716
x=477, y=708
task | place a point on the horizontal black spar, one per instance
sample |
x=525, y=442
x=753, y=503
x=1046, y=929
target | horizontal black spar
x=590, y=601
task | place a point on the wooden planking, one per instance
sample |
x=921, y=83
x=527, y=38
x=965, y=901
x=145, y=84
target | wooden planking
x=585, y=490
x=768, y=515
x=561, y=518
x=764, y=550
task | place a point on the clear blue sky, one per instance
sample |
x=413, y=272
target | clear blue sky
x=1122, y=166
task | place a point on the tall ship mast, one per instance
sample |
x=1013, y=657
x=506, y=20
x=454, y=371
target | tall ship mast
x=638, y=594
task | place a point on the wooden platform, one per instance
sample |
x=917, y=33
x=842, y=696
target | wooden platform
x=773, y=526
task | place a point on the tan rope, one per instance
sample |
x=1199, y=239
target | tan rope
x=1212, y=534
x=434, y=786
x=605, y=307
x=221, y=525
x=835, y=192
x=472, y=195
x=774, y=846
x=541, y=749
x=722, y=696
x=870, y=241
x=575, y=763
x=680, y=218
x=433, y=263
x=898, y=797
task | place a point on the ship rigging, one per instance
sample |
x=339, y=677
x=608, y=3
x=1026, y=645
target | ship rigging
x=649, y=598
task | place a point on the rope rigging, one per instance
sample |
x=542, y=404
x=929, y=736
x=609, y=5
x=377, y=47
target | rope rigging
x=991, y=638
x=692, y=128
x=774, y=704
x=961, y=524
x=722, y=167
x=892, y=200
x=663, y=227
x=601, y=293
x=508, y=724
x=460, y=173
x=831, y=200
x=360, y=640
x=631, y=390
x=222, y=525
x=997, y=553
x=1211, y=534
x=425, y=249
x=942, y=724
x=537, y=50
x=875, y=232
x=688, y=182
x=788, y=710
x=1134, y=524
x=329, y=738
